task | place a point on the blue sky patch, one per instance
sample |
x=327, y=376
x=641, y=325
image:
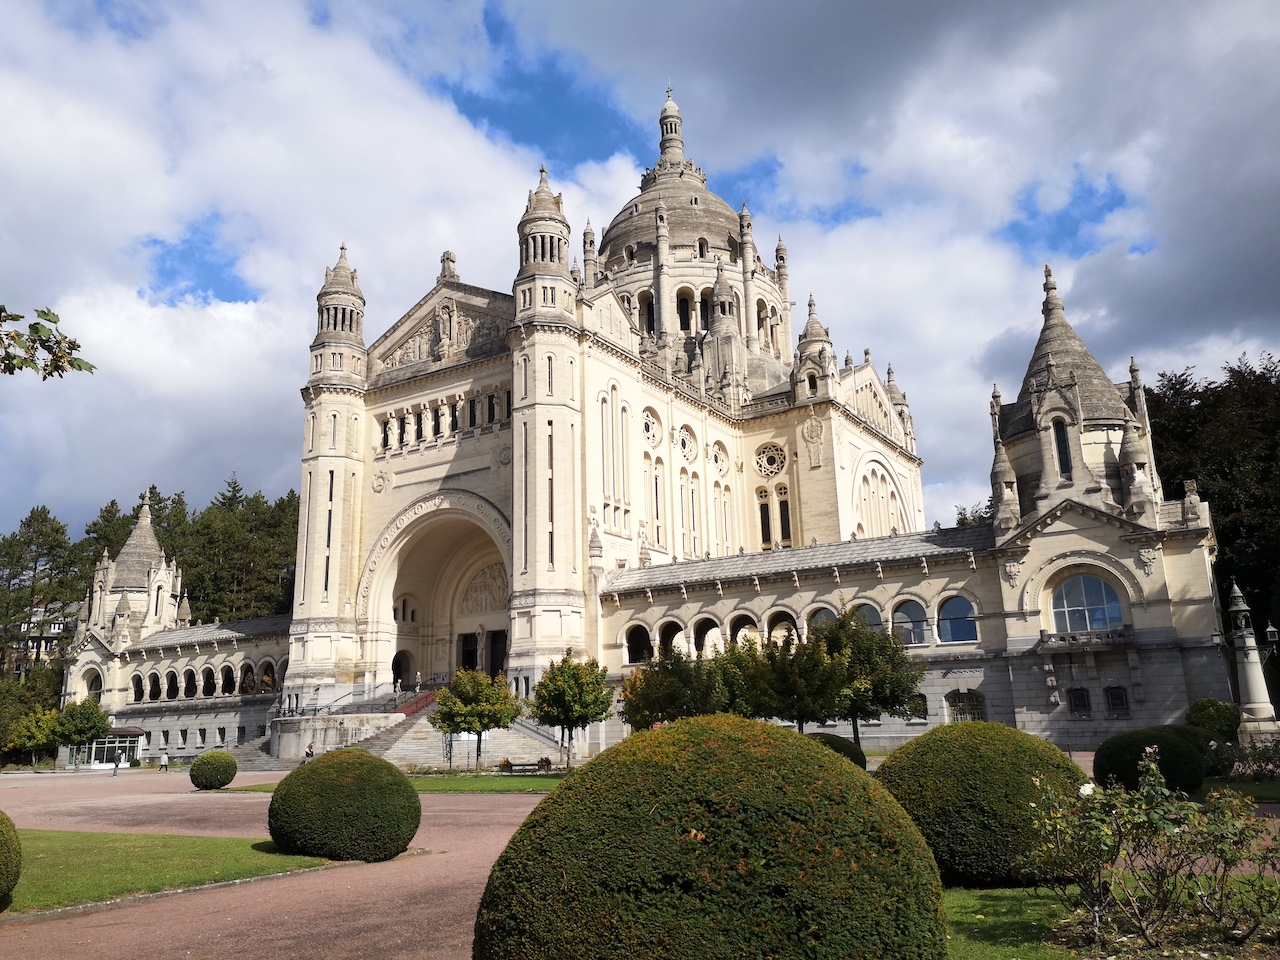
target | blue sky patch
x=756, y=184
x=128, y=19
x=1069, y=230
x=199, y=264
x=545, y=103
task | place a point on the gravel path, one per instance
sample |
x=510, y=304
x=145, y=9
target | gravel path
x=421, y=904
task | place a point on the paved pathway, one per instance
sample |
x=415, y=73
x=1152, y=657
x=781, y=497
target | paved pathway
x=418, y=905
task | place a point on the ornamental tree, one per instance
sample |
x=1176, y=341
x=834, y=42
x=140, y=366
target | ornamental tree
x=36, y=731
x=82, y=723
x=474, y=702
x=572, y=696
x=879, y=676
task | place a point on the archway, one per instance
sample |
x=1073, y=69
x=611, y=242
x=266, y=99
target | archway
x=438, y=588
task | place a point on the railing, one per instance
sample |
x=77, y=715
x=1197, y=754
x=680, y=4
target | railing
x=1088, y=638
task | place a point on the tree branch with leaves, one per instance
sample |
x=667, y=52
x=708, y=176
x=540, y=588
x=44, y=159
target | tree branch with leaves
x=41, y=347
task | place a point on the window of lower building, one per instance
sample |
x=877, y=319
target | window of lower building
x=909, y=618
x=918, y=704
x=966, y=705
x=1078, y=703
x=1086, y=603
x=1117, y=702
x=956, y=623
x=871, y=615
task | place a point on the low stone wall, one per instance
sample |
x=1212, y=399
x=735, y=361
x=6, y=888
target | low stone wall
x=290, y=735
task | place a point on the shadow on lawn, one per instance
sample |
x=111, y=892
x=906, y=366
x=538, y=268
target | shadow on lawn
x=1002, y=917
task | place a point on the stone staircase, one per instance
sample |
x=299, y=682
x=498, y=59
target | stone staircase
x=255, y=756
x=418, y=743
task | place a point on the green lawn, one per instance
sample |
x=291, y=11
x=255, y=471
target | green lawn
x=1000, y=925
x=60, y=868
x=463, y=783
x=1266, y=792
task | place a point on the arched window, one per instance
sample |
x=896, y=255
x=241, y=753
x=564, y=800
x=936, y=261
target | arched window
x=228, y=681
x=702, y=248
x=171, y=686
x=966, y=705
x=1063, y=447
x=268, y=684
x=188, y=684
x=956, y=623
x=1117, y=703
x=781, y=626
x=639, y=645
x=667, y=634
x=784, y=514
x=909, y=619
x=766, y=527
x=871, y=615
x=153, y=687
x=1086, y=603
x=820, y=616
x=701, y=630
x=743, y=629
x=918, y=705
x=1078, y=703
x=209, y=682
x=247, y=684
x=136, y=683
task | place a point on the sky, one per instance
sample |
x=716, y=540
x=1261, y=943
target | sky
x=177, y=175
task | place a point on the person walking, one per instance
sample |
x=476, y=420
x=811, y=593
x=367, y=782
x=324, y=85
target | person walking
x=417, y=682
x=311, y=752
x=119, y=757
x=164, y=762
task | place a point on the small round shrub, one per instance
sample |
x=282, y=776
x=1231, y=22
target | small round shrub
x=714, y=838
x=1181, y=763
x=843, y=746
x=969, y=787
x=10, y=855
x=213, y=770
x=1218, y=716
x=345, y=805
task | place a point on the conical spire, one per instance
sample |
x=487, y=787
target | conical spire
x=340, y=278
x=140, y=553
x=813, y=330
x=542, y=202
x=1060, y=353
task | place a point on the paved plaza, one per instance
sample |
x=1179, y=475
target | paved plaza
x=421, y=904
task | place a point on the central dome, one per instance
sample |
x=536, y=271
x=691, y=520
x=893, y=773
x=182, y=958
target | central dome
x=694, y=213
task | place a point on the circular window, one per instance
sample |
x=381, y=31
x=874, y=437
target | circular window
x=720, y=459
x=652, y=429
x=770, y=459
x=687, y=444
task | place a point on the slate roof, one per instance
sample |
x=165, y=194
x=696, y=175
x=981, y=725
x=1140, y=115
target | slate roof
x=253, y=629
x=951, y=541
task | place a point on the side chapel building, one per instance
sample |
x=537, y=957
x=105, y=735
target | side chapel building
x=650, y=451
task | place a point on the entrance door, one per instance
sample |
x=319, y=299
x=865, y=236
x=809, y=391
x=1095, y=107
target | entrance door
x=468, y=652
x=497, y=652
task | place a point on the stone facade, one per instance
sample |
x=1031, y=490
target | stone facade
x=642, y=453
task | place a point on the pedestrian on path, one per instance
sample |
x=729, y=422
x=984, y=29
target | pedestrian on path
x=311, y=751
x=119, y=757
x=417, y=682
x=164, y=762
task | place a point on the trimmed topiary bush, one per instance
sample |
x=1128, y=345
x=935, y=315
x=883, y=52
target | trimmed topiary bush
x=714, y=837
x=345, y=805
x=1181, y=763
x=213, y=770
x=10, y=855
x=843, y=746
x=969, y=788
x=1218, y=716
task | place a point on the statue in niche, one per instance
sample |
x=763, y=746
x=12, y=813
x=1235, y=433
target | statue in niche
x=812, y=434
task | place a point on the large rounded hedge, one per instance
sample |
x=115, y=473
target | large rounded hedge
x=709, y=838
x=213, y=770
x=1181, y=761
x=10, y=855
x=969, y=787
x=843, y=746
x=345, y=805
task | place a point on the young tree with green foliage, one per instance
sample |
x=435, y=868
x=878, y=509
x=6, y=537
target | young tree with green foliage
x=82, y=723
x=670, y=688
x=36, y=731
x=805, y=680
x=572, y=696
x=474, y=702
x=878, y=675
x=42, y=347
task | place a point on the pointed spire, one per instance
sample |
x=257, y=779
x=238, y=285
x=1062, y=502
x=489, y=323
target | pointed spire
x=140, y=553
x=813, y=329
x=669, y=122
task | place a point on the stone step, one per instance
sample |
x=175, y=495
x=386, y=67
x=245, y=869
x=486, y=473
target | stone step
x=420, y=743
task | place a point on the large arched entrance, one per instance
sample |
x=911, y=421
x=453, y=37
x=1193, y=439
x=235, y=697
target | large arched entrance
x=439, y=593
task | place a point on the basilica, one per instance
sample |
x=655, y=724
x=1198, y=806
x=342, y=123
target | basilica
x=648, y=450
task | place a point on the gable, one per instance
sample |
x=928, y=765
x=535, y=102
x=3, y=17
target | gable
x=455, y=322
x=1071, y=516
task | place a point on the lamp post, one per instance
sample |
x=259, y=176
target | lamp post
x=1257, y=715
